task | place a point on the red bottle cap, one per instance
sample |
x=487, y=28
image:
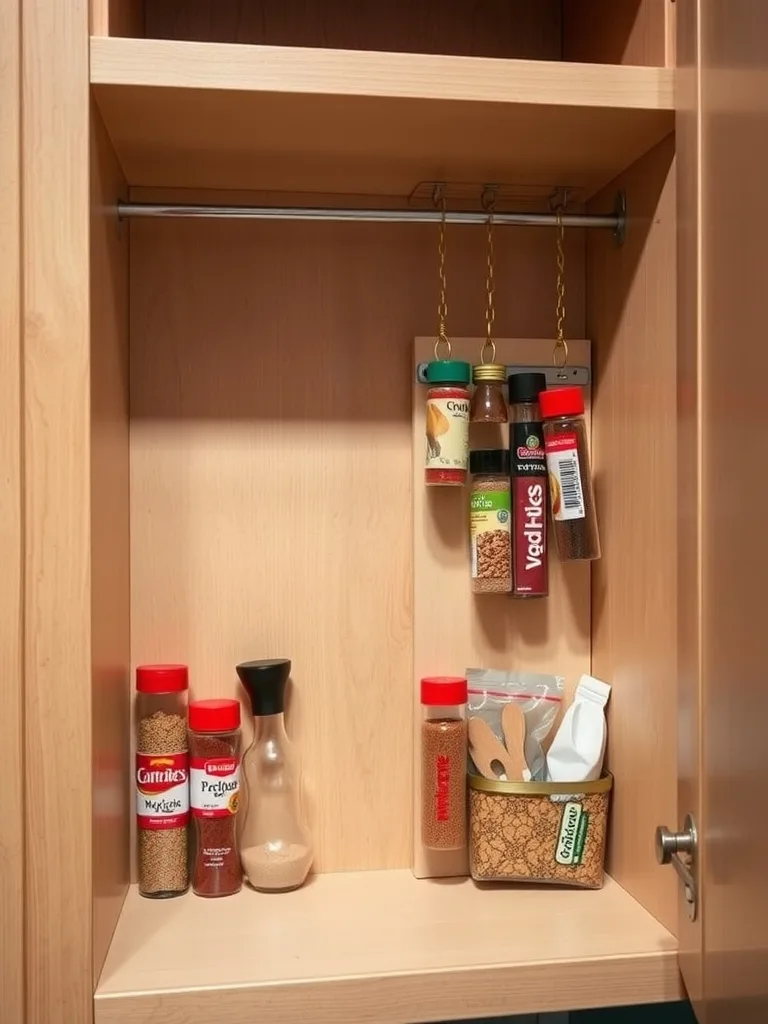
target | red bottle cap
x=443, y=691
x=162, y=678
x=562, y=402
x=217, y=715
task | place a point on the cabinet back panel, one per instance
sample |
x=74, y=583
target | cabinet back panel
x=618, y=31
x=488, y=28
x=271, y=475
x=632, y=319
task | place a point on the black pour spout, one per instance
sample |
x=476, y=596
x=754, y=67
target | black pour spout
x=265, y=682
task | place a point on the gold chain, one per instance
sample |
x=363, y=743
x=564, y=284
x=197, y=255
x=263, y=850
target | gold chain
x=442, y=304
x=560, y=351
x=490, y=285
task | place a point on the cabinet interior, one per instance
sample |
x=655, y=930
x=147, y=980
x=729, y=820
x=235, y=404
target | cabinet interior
x=256, y=469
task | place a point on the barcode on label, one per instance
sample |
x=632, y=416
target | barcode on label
x=570, y=485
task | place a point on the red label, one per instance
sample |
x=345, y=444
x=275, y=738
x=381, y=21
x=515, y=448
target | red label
x=162, y=790
x=529, y=518
x=560, y=443
x=442, y=793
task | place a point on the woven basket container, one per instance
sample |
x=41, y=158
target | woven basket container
x=548, y=832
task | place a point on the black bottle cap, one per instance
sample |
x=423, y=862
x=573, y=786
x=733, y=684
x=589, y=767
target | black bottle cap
x=489, y=460
x=265, y=682
x=525, y=387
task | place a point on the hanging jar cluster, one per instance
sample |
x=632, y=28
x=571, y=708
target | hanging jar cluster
x=544, y=474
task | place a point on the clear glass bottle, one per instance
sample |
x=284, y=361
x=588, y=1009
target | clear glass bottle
x=570, y=476
x=488, y=404
x=490, y=522
x=162, y=779
x=444, y=762
x=275, y=845
x=214, y=787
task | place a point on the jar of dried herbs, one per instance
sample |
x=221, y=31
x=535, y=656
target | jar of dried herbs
x=162, y=779
x=490, y=522
x=570, y=476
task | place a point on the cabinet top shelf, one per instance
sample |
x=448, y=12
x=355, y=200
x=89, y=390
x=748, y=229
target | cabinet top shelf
x=215, y=115
x=384, y=947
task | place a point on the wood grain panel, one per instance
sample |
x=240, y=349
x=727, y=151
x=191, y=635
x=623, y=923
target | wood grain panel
x=11, y=537
x=631, y=316
x=213, y=115
x=117, y=17
x=401, y=950
x=110, y=542
x=455, y=629
x=489, y=28
x=57, y=600
x=271, y=370
x=617, y=31
x=690, y=695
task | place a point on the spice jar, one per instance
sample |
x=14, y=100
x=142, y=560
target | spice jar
x=443, y=762
x=570, y=478
x=275, y=846
x=162, y=779
x=490, y=522
x=529, y=486
x=214, y=795
x=447, y=423
x=488, y=404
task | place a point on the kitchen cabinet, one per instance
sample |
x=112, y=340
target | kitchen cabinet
x=207, y=450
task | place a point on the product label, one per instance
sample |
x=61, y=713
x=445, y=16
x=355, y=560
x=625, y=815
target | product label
x=529, y=508
x=443, y=788
x=572, y=837
x=162, y=790
x=214, y=786
x=447, y=433
x=490, y=529
x=565, y=490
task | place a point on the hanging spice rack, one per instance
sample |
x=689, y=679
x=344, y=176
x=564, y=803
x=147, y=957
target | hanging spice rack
x=578, y=375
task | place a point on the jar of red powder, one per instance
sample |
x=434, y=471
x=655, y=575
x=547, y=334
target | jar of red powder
x=447, y=422
x=214, y=778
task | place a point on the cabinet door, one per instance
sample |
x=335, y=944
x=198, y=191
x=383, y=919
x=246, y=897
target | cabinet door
x=723, y=125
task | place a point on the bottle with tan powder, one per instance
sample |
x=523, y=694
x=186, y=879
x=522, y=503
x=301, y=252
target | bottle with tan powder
x=444, y=762
x=275, y=847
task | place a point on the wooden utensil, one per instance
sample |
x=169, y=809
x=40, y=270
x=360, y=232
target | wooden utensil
x=513, y=727
x=489, y=754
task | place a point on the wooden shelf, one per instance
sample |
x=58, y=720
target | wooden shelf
x=212, y=115
x=382, y=947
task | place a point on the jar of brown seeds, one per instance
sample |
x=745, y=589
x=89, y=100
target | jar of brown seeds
x=162, y=779
x=490, y=522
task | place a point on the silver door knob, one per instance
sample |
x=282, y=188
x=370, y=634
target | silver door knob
x=669, y=843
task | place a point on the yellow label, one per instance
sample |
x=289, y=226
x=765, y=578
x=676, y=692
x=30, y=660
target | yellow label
x=447, y=433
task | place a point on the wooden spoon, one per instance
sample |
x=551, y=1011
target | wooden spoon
x=489, y=753
x=513, y=727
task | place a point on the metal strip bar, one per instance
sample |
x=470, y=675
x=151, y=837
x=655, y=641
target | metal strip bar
x=581, y=375
x=611, y=221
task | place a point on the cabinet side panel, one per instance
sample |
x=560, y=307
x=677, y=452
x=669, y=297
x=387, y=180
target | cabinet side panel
x=117, y=18
x=488, y=28
x=631, y=317
x=110, y=541
x=271, y=476
x=57, y=604
x=11, y=666
x=617, y=31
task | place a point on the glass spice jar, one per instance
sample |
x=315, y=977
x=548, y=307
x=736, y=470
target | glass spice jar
x=447, y=423
x=443, y=762
x=488, y=404
x=528, y=468
x=490, y=522
x=162, y=779
x=570, y=477
x=214, y=784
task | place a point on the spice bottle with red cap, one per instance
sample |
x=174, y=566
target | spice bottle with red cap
x=444, y=762
x=162, y=779
x=570, y=476
x=214, y=790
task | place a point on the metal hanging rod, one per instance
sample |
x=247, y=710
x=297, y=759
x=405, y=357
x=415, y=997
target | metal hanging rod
x=613, y=221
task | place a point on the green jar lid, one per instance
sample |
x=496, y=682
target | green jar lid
x=448, y=371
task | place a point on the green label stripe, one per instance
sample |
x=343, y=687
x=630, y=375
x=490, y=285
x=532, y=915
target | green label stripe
x=491, y=501
x=581, y=838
